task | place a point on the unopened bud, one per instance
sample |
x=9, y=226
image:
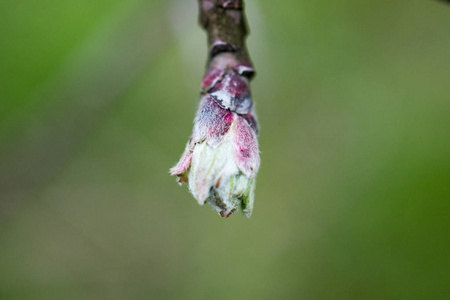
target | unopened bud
x=221, y=159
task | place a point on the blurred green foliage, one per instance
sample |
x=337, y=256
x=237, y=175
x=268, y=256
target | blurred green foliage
x=97, y=100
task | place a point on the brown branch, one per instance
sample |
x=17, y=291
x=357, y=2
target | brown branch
x=225, y=24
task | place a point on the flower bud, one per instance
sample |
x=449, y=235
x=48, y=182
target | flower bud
x=221, y=159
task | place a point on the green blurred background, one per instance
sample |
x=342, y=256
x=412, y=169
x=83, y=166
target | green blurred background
x=97, y=100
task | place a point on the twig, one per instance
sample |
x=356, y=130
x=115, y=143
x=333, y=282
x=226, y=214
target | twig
x=226, y=25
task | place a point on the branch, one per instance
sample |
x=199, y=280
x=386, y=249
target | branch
x=226, y=26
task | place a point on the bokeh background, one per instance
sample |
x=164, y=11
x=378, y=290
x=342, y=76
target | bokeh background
x=97, y=100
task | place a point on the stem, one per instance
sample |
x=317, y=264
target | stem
x=225, y=24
